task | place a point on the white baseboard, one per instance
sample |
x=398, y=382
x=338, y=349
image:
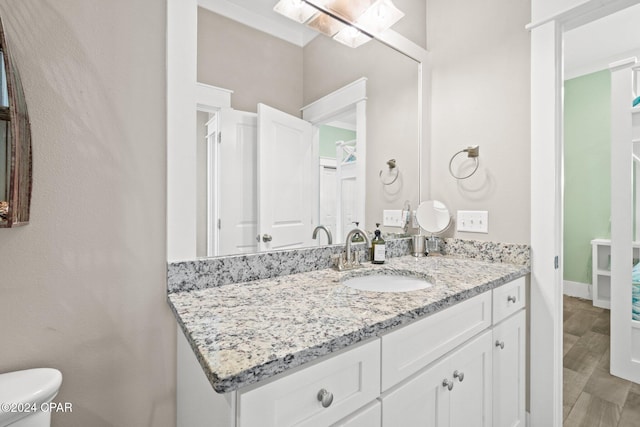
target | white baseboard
x=577, y=289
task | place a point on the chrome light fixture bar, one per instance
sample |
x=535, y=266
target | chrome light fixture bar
x=350, y=22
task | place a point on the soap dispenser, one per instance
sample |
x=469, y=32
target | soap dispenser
x=377, y=247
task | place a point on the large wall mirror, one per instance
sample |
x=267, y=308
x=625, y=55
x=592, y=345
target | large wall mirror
x=304, y=135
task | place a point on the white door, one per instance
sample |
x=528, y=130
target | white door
x=236, y=183
x=287, y=180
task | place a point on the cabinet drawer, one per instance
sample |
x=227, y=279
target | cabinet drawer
x=414, y=346
x=352, y=378
x=508, y=299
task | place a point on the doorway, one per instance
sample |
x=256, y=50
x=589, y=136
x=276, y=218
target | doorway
x=547, y=204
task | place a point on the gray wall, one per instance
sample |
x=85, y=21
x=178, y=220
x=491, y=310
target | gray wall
x=481, y=95
x=412, y=24
x=227, y=56
x=83, y=286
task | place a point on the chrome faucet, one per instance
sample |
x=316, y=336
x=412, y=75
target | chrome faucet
x=326, y=230
x=345, y=261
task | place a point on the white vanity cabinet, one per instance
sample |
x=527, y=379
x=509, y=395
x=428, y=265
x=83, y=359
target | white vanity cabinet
x=463, y=366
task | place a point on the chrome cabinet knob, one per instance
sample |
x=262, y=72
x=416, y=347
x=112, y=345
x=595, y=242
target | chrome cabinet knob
x=511, y=298
x=459, y=375
x=267, y=238
x=325, y=397
x=500, y=344
x=448, y=384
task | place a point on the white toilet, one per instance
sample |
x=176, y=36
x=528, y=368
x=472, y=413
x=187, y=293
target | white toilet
x=30, y=388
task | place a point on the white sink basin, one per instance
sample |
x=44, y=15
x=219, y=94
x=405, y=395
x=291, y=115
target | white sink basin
x=387, y=283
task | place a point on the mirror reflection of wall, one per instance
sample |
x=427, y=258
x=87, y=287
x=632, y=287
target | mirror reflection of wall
x=260, y=68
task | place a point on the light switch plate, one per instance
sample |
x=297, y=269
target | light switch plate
x=392, y=218
x=473, y=221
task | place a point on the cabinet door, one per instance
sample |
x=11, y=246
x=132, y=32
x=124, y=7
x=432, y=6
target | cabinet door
x=509, y=372
x=422, y=401
x=470, y=370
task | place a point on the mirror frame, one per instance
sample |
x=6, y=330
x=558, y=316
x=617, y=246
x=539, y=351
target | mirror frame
x=18, y=188
x=182, y=23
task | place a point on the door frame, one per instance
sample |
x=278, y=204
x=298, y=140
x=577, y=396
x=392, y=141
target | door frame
x=211, y=99
x=213, y=215
x=547, y=197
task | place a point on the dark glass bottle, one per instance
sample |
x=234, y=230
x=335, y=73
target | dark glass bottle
x=377, y=248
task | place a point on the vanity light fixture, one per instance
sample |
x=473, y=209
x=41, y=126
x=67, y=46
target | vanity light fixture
x=350, y=22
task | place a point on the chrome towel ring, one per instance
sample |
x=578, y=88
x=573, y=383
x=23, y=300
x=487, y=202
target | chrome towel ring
x=392, y=165
x=473, y=152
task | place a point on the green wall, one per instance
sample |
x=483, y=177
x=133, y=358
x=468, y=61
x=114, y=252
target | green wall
x=587, y=173
x=328, y=137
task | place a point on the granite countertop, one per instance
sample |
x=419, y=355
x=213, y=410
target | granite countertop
x=245, y=332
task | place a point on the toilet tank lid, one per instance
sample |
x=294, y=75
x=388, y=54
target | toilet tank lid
x=37, y=386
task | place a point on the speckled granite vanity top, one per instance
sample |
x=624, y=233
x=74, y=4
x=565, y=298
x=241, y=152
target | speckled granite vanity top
x=245, y=332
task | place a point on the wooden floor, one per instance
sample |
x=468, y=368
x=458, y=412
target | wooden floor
x=592, y=397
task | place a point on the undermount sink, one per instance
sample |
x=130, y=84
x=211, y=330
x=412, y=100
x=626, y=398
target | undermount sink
x=387, y=283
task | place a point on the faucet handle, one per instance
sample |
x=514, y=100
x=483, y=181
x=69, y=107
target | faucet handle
x=356, y=258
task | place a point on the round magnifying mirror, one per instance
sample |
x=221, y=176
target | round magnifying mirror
x=433, y=216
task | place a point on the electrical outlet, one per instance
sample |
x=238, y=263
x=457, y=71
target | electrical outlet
x=392, y=218
x=473, y=221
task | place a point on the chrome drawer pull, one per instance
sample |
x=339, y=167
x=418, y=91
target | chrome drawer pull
x=500, y=344
x=458, y=375
x=448, y=384
x=511, y=298
x=325, y=397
